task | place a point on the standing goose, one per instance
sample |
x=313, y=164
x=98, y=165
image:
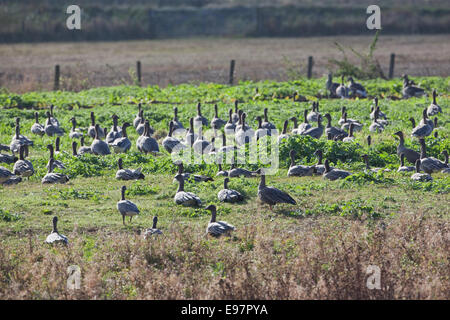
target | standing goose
x=235, y=117
x=122, y=144
x=426, y=120
x=298, y=170
x=404, y=168
x=229, y=195
x=98, y=146
x=434, y=108
x=216, y=122
x=284, y=135
x=184, y=198
x=52, y=177
x=409, y=90
x=126, y=207
x=315, y=132
x=313, y=116
x=141, y=126
x=170, y=143
x=92, y=131
x=230, y=126
x=191, y=136
x=244, y=135
x=217, y=228
x=261, y=132
x=83, y=148
x=342, y=90
x=37, y=128
x=55, y=163
x=224, y=149
x=356, y=89
x=357, y=126
x=295, y=130
x=350, y=137
x=23, y=167
x=74, y=149
x=305, y=125
x=266, y=123
x=52, y=119
x=57, y=144
x=5, y=175
x=423, y=129
x=19, y=140
x=420, y=176
x=138, y=117
x=237, y=172
x=148, y=144
x=334, y=174
x=333, y=131
x=153, y=231
x=319, y=167
x=176, y=123
x=375, y=106
x=343, y=119
x=272, y=195
x=331, y=86
x=241, y=123
x=376, y=126
x=128, y=174
x=75, y=133
x=201, y=145
x=409, y=154
x=55, y=237
x=200, y=120
x=429, y=164
x=115, y=132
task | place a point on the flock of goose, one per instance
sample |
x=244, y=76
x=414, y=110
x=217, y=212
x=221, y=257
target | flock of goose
x=116, y=139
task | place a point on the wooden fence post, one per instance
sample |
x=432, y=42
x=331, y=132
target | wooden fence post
x=56, y=84
x=391, y=66
x=232, y=63
x=310, y=66
x=138, y=73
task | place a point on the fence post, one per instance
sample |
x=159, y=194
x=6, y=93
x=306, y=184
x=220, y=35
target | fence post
x=391, y=66
x=56, y=84
x=310, y=66
x=138, y=72
x=232, y=63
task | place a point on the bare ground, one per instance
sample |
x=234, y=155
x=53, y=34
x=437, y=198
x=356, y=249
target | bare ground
x=26, y=67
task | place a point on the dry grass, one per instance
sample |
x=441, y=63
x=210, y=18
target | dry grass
x=30, y=66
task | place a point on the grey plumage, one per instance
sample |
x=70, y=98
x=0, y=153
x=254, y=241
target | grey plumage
x=356, y=89
x=409, y=90
x=229, y=195
x=298, y=170
x=147, y=144
x=424, y=128
x=122, y=144
x=37, y=128
x=23, y=167
x=333, y=131
x=153, y=231
x=5, y=174
x=429, y=164
x=170, y=143
x=434, y=108
x=184, y=198
x=51, y=129
x=6, y=158
x=409, y=154
x=272, y=195
x=126, y=207
x=216, y=122
x=418, y=176
x=128, y=174
x=52, y=177
x=98, y=146
x=331, y=86
x=200, y=120
x=313, y=116
x=315, y=132
x=217, y=228
x=55, y=237
x=334, y=174
x=402, y=167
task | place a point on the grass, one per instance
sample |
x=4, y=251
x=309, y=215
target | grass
x=317, y=249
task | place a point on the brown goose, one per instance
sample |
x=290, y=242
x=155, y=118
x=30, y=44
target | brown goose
x=434, y=108
x=409, y=154
x=334, y=174
x=418, y=176
x=272, y=195
x=409, y=90
x=429, y=164
x=333, y=131
x=404, y=168
x=298, y=170
x=217, y=228
x=424, y=128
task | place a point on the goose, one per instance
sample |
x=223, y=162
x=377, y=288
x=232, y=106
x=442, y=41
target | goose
x=19, y=140
x=446, y=170
x=334, y=174
x=176, y=123
x=201, y=145
x=376, y=126
x=75, y=133
x=343, y=119
x=23, y=167
x=229, y=195
x=235, y=117
x=261, y=132
x=185, y=198
x=368, y=168
x=138, y=117
x=153, y=231
x=295, y=130
x=74, y=149
x=52, y=177
x=98, y=146
x=170, y=143
x=237, y=172
x=37, y=128
x=5, y=175
x=57, y=143
x=217, y=228
x=357, y=126
x=271, y=195
x=242, y=124
x=413, y=122
x=434, y=108
x=356, y=89
x=244, y=135
x=115, y=132
x=200, y=120
x=12, y=180
x=319, y=167
x=55, y=237
x=266, y=123
x=52, y=119
x=429, y=164
x=221, y=172
x=4, y=147
x=191, y=136
x=224, y=149
x=305, y=125
x=128, y=174
x=141, y=125
x=425, y=119
x=83, y=149
x=298, y=170
x=93, y=131
x=383, y=122
x=342, y=90
x=409, y=90
x=331, y=86
x=122, y=144
x=402, y=167
x=409, y=154
x=126, y=207
x=423, y=129
x=216, y=122
x=315, y=132
x=148, y=144
x=420, y=176
x=55, y=163
x=333, y=131
x=284, y=135
x=6, y=158
x=230, y=126
x=350, y=137
x=375, y=106
x=313, y=116
x=369, y=141
x=187, y=176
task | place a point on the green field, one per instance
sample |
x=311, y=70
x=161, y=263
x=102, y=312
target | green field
x=317, y=249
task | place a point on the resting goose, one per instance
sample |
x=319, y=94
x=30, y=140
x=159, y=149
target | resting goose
x=201, y=145
x=187, y=176
x=298, y=170
x=170, y=143
x=92, y=130
x=221, y=172
x=147, y=143
x=128, y=174
x=434, y=108
x=331, y=86
x=12, y=180
x=333, y=131
x=409, y=154
x=266, y=123
x=217, y=228
x=37, y=128
x=305, y=125
x=315, y=132
x=52, y=177
x=55, y=163
x=261, y=132
x=350, y=137
x=342, y=91
x=424, y=128
x=5, y=174
x=200, y=120
x=23, y=167
x=319, y=167
x=115, y=132
x=272, y=195
x=52, y=119
x=334, y=174
x=191, y=136
x=409, y=90
x=83, y=149
x=176, y=123
x=185, y=198
x=356, y=89
x=6, y=158
x=295, y=128
x=122, y=144
x=153, y=231
x=402, y=167
x=137, y=119
x=230, y=126
x=357, y=126
x=216, y=122
x=244, y=135
x=55, y=237
x=75, y=133
x=237, y=172
x=284, y=135
x=141, y=125
x=235, y=117
x=376, y=126
x=229, y=195
x=126, y=207
x=98, y=146
x=313, y=116
x=429, y=164
x=420, y=176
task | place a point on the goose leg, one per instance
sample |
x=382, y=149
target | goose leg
x=131, y=217
x=123, y=219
